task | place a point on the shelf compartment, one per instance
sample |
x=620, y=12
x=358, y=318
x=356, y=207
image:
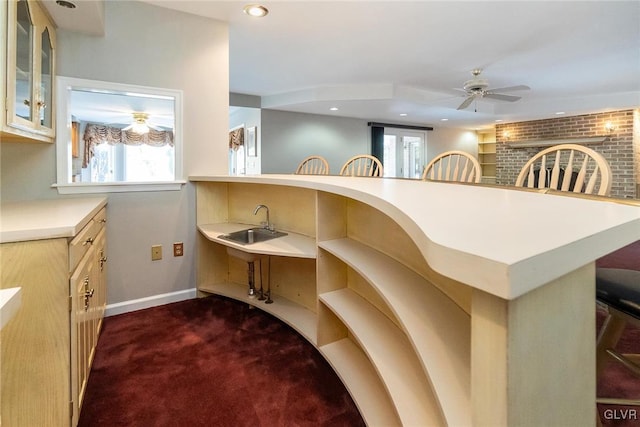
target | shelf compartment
x=439, y=330
x=391, y=355
x=362, y=381
x=298, y=317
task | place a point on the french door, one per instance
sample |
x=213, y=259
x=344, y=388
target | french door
x=404, y=153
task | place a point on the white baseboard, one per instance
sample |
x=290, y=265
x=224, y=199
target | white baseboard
x=147, y=302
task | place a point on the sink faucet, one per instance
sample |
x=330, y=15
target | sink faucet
x=268, y=225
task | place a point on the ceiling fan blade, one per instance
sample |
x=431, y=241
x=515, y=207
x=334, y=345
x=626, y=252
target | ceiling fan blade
x=502, y=97
x=510, y=89
x=466, y=102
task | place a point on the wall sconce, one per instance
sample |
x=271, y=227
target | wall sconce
x=506, y=135
x=609, y=127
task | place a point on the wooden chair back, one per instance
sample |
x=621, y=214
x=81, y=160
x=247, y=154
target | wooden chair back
x=362, y=165
x=567, y=167
x=313, y=165
x=457, y=166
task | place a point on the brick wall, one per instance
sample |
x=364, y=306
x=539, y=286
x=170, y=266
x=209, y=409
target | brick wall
x=621, y=148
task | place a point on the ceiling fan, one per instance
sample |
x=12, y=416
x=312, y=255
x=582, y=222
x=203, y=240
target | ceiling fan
x=140, y=122
x=478, y=88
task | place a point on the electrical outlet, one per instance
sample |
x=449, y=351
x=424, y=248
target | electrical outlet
x=178, y=249
x=156, y=252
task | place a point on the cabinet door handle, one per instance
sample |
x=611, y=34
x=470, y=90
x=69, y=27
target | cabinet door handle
x=26, y=102
x=89, y=241
x=41, y=104
x=88, y=293
x=103, y=220
x=103, y=259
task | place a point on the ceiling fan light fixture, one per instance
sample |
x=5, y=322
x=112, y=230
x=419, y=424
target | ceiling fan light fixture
x=478, y=88
x=139, y=124
x=140, y=128
x=256, y=10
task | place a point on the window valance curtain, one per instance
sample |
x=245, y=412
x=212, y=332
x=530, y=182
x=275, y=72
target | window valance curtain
x=95, y=134
x=236, y=138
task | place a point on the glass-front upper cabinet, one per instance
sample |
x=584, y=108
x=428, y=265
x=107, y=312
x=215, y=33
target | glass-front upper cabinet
x=30, y=70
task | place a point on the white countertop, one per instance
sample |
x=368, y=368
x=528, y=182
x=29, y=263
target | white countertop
x=9, y=304
x=46, y=219
x=503, y=241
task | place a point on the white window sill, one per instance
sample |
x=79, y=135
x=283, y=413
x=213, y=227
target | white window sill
x=117, y=187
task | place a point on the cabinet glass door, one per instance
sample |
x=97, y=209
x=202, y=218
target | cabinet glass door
x=24, y=62
x=46, y=80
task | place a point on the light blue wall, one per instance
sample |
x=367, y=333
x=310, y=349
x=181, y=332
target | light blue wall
x=287, y=138
x=150, y=46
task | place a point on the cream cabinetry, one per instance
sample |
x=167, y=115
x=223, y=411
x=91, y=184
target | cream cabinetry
x=88, y=290
x=28, y=64
x=48, y=346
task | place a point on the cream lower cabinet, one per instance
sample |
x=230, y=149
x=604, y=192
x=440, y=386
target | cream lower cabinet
x=368, y=301
x=88, y=285
x=48, y=347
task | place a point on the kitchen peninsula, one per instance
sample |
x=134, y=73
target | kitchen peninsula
x=436, y=303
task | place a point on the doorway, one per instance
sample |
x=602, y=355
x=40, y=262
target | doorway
x=404, y=153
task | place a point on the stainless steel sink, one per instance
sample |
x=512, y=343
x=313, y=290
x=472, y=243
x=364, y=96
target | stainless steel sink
x=252, y=235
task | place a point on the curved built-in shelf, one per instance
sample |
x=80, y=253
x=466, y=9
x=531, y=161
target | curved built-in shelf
x=299, y=318
x=357, y=374
x=398, y=344
x=391, y=355
x=439, y=330
x=292, y=245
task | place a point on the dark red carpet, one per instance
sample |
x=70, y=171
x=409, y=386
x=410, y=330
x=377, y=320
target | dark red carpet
x=619, y=382
x=215, y=362
x=210, y=362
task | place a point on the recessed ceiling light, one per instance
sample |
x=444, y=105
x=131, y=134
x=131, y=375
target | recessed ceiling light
x=333, y=108
x=444, y=120
x=256, y=10
x=66, y=4
x=498, y=120
x=560, y=113
x=403, y=114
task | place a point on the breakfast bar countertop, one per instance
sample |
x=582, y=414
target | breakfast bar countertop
x=501, y=240
x=46, y=219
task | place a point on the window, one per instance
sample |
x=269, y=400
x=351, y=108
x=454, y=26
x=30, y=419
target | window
x=114, y=137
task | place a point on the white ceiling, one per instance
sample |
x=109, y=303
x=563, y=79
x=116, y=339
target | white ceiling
x=377, y=59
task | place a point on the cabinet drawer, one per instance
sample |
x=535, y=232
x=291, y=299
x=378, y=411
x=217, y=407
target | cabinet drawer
x=83, y=241
x=81, y=244
x=100, y=219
